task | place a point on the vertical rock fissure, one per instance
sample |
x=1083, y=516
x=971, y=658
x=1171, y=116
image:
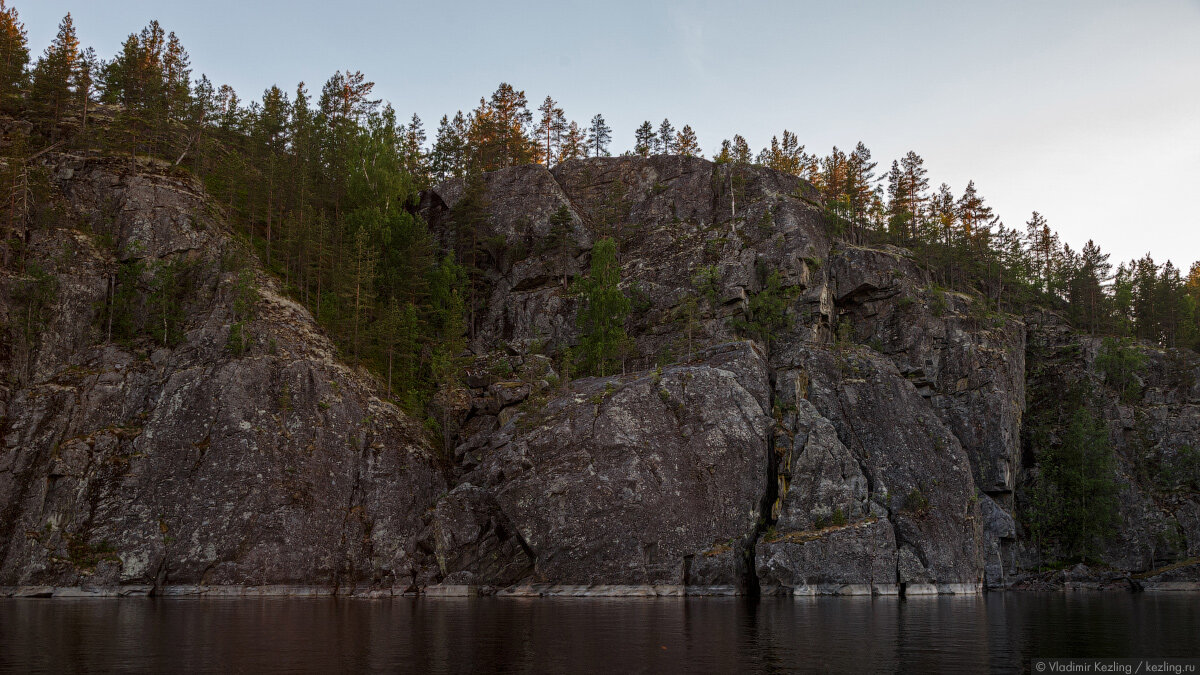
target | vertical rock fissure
x=766, y=512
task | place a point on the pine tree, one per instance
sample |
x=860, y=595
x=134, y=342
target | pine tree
x=1044, y=248
x=14, y=57
x=599, y=135
x=550, y=129
x=87, y=69
x=972, y=211
x=645, y=140
x=497, y=136
x=666, y=139
x=54, y=74
x=574, y=145
x=686, y=143
x=725, y=154
x=907, y=183
x=788, y=156
x=860, y=188
x=831, y=181
x=741, y=150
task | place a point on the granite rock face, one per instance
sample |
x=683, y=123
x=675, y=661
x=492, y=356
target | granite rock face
x=144, y=463
x=1154, y=431
x=876, y=438
x=627, y=480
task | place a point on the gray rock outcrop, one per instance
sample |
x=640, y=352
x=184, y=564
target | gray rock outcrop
x=862, y=432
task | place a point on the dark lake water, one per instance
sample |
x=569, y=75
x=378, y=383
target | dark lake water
x=999, y=633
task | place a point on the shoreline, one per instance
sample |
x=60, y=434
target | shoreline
x=571, y=591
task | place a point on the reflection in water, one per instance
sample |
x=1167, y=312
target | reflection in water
x=997, y=632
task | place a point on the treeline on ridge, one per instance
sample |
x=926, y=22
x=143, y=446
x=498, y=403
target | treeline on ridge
x=322, y=184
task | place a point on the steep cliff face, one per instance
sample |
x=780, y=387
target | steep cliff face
x=898, y=458
x=203, y=460
x=862, y=432
x=1154, y=430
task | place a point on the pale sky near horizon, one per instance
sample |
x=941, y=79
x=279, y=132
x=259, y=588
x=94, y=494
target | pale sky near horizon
x=1088, y=112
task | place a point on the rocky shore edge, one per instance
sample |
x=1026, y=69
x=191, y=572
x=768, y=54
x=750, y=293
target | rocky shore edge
x=1178, y=578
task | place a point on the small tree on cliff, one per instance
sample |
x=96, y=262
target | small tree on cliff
x=686, y=143
x=599, y=134
x=604, y=312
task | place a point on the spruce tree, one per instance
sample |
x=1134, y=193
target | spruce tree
x=1086, y=295
x=559, y=241
x=416, y=161
x=448, y=159
x=176, y=73
x=604, y=312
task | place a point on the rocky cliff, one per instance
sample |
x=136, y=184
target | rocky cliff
x=876, y=439
x=148, y=465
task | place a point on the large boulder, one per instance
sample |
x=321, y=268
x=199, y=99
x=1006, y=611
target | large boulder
x=635, y=479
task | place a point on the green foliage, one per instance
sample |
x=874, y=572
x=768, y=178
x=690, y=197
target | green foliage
x=86, y=556
x=244, y=297
x=126, y=301
x=937, y=301
x=1120, y=362
x=447, y=285
x=916, y=503
x=843, y=335
x=1073, y=505
x=766, y=224
x=639, y=299
x=14, y=57
x=169, y=289
x=707, y=282
x=838, y=518
x=1176, y=471
x=604, y=312
x=767, y=315
x=35, y=296
x=688, y=315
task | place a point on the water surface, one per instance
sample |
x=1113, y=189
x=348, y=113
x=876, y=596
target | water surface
x=999, y=633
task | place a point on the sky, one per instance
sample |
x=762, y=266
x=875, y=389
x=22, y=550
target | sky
x=1088, y=112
